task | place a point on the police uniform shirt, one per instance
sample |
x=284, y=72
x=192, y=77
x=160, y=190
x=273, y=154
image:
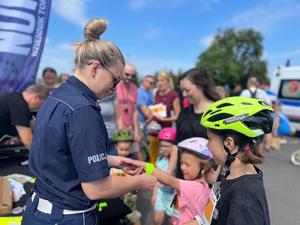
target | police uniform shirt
x=69, y=146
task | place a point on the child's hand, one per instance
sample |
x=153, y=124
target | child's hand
x=159, y=118
x=132, y=167
x=136, y=136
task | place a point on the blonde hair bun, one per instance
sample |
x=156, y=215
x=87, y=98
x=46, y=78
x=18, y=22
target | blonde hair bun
x=94, y=28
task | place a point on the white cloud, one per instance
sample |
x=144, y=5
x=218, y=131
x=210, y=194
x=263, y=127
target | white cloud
x=266, y=17
x=288, y=54
x=152, y=33
x=274, y=60
x=149, y=65
x=207, y=41
x=265, y=55
x=72, y=10
x=136, y=5
x=57, y=58
x=208, y=5
x=66, y=46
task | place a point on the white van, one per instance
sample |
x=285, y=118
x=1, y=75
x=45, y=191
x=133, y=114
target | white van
x=286, y=84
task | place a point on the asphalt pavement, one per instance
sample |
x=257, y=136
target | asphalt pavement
x=282, y=183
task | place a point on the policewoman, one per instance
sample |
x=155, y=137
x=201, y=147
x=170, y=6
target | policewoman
x=68, y=155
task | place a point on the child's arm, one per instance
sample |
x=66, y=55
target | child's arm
x=173, y=159
x=193, y=222
x=163, y=177
x=154, y=194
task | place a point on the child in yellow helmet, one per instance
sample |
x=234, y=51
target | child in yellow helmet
x=235, y=126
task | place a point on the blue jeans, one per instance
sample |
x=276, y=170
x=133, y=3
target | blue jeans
x=32, y=216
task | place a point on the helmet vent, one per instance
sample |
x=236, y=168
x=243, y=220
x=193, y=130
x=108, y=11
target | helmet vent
x=207, y=112
x=224, y=105
x=246, y=103
x=218, y=117
x=214, y=112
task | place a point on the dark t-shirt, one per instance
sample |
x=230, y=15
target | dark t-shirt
x=188, y=123
x=242, y=201
x=14, y=112
x=167, y=100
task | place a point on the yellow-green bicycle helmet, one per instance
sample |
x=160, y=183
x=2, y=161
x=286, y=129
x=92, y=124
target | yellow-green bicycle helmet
x=248, y=116
x=122, y=135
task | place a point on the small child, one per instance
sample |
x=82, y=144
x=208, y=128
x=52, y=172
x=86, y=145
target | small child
x=163, y=195
x=192, y=193
x=123, y=142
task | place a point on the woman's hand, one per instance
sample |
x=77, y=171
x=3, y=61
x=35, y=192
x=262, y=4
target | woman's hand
x=137, y=136
x=132, y=167
x=159, y=118
x=125, y=164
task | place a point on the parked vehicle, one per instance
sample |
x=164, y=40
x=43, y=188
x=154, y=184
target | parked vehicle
x=286, y=84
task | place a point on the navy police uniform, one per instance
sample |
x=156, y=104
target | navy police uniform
x=68, y=148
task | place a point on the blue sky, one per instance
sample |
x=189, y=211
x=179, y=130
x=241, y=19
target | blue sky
x=170, y=34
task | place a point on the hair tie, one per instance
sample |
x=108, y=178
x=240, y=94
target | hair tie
x=246, y=149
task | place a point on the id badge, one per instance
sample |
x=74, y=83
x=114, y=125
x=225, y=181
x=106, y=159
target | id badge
x=208, y=212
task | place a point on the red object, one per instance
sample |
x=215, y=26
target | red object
x=246, y=149
x=185, y=102
x=167, y=134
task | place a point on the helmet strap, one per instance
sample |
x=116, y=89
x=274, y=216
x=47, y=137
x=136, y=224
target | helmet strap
x=230, y=157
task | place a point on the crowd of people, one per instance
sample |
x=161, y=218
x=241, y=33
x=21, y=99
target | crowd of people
x=190, y=143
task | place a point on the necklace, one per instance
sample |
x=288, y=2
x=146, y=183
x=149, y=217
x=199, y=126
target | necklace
x=125, y=100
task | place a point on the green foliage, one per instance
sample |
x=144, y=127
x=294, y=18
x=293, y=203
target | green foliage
x=234, y=56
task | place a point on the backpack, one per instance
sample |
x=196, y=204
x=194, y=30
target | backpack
x=252, y=94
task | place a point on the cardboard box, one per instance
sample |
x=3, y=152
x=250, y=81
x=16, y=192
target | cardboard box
x=5, y=197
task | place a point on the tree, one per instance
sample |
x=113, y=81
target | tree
x=234, y=56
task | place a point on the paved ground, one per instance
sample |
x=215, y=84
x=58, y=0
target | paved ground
x=282, y=182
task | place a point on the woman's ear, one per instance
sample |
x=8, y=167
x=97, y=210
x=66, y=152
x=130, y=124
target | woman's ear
x=94, y=68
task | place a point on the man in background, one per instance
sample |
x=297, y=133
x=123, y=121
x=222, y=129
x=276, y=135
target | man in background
x=253, y=91
x=145, y=99
x=127, y=110
x=16, y=112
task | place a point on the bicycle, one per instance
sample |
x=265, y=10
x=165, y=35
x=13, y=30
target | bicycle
x=295, y=158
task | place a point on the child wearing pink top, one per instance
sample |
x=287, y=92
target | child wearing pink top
x=192, y=193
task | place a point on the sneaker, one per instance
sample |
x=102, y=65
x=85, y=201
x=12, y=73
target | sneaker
x=283, y=141
x=17, y=210
x=24, y=163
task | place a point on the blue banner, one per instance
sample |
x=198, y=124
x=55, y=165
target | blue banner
x=23, y=28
